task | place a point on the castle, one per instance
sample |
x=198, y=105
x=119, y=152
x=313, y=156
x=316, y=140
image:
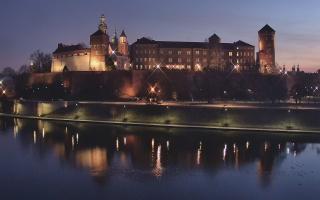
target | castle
x=101, y=54
x=147, y=54
x=213, y=54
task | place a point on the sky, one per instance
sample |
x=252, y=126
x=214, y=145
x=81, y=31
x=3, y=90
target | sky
x=28, y=25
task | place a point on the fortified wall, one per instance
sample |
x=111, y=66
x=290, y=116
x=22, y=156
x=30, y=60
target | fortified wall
x=172, y=85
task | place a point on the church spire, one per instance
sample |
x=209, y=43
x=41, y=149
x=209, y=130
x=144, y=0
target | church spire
x=115, y=31
x=102, y=24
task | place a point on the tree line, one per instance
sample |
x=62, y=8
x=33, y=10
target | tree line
x=40, y=62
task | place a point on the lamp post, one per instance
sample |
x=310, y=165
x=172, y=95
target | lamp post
x=124, y=113
x=289, y=118
x=225, y=110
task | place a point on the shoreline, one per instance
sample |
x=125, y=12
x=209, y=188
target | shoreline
x=180, y=126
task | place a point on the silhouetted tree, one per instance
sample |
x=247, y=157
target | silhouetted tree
x=24, y=69
x=40, y=62
x=8, y=71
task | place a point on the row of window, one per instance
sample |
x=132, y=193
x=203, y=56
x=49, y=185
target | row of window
x=170, y=60
x=170, y=52
x=244, y=61
x=70, y=55
x=167, y=66
x=95, y=46
x=241, y=53
x=145, y=59
x=146, y=51
x=197, y=52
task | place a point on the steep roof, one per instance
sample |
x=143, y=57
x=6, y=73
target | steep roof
x=267, y=29
x=98, y=32
x=68, y=48
x=123, y=34
x=189, y=45
x=214, y=36
x=145, y=40
x=242, y=43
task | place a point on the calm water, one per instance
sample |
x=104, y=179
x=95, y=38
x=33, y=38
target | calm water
x=50, y=160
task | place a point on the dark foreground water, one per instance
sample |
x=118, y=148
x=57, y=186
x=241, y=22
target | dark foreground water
x=50, y=160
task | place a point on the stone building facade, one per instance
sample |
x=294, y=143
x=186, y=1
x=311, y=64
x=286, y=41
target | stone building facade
x=149, y=54
x=266, y=55
x=81, y=58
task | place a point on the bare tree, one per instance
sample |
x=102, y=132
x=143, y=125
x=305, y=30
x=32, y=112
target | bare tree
x=40, y=62
x=24, y=69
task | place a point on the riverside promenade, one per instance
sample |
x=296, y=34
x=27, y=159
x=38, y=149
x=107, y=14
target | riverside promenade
x=224, y=115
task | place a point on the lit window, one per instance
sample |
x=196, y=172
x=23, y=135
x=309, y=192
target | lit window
x=179, y=52
x=197, y=60
x=197, y=52
x=230, y=53
x=237, y=54
x=170, y=60
x=170, y=52
x=188, y=52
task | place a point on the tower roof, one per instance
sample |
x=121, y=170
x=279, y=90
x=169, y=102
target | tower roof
x=267, y=29
x=215, y=36
x=214, y=39
x=115, y=36
x=123, y=34
x=102, y=24
x=98, y=32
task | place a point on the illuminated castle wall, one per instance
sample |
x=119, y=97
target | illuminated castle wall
x=80, y=58
x=266, y=54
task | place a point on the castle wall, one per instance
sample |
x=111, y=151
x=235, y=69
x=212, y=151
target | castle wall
x=73, y=63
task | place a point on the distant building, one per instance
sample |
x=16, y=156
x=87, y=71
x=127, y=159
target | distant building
x=96, y=58
x=266, y=55
x=148, y=54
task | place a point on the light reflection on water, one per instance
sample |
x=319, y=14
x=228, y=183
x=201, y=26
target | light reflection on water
x=95, y=161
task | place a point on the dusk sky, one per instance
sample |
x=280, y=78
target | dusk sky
x=28, y=25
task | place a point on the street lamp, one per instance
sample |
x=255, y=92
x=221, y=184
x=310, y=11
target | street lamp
x=152, y=89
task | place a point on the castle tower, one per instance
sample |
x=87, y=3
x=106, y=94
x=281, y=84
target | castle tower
x=114, y=41
x=214, y=40
x=99, y=42
x=123, y=46
x=266, y=53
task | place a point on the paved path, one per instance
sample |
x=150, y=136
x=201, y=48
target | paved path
x=262, y=130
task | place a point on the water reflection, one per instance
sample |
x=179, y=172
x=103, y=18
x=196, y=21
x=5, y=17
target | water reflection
x=105, y=151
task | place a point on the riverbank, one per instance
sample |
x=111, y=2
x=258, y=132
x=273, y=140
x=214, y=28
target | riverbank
x=288, y=118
